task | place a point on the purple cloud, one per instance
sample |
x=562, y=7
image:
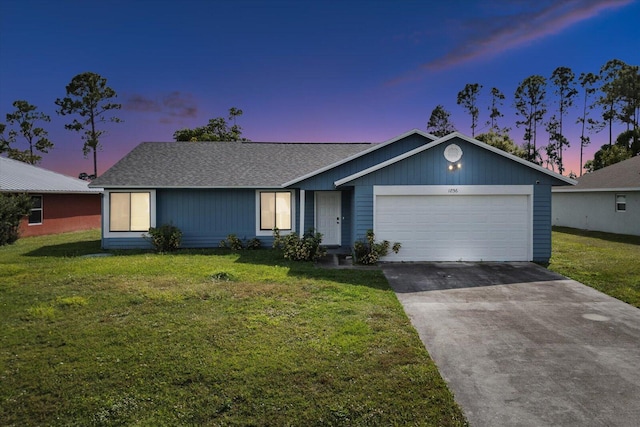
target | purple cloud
x=495, y=35
x=172, y=105
x=138, y=102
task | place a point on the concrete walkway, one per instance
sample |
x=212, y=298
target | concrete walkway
x=522, y=346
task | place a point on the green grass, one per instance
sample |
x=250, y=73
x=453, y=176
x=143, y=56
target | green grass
x=205, y=338
x=607, y=262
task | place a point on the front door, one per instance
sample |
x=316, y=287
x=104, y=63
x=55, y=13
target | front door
x=329, y=216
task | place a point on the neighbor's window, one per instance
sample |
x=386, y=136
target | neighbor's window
x=275, y=210
x=129, y=211
x=621, y=203
x=35, y=214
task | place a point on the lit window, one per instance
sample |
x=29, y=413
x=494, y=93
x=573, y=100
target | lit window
x=35, y=213
x=621, y=203
x=129, y=212
x=275, y=210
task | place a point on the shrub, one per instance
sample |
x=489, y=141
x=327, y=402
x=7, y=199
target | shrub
x=369, y=252
x=305, y=248
x=12, y=209
x=278, y=241
x=165, y=238
x=234, y=243
x=254, y=243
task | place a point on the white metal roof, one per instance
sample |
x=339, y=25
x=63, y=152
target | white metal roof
x=20, y=177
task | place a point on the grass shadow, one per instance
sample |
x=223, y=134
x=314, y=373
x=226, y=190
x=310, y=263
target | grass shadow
x=68, y=250
x=371, y=278
x=611, y=237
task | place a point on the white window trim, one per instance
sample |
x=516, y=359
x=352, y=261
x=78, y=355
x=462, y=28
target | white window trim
x=106, y=213
x=264, y=233
x=41, y=209
x=616, y=202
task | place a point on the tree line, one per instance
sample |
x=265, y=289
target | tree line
x=611, y=96
x=91, y=103
x=88, y=99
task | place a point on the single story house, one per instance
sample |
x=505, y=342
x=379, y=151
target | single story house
x=60, y=203
x=452, y=198
x=605, y=200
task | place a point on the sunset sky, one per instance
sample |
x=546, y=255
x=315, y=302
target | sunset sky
x=335, y=71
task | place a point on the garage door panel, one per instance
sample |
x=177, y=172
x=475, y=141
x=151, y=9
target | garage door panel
x=452, y=228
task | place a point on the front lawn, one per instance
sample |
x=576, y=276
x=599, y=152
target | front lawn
x=205, y=338
x=607, y=262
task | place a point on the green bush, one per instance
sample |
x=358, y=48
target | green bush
x=305, y=248
x=234, y=243
x=165, y=238
x=278, y=240
x=13, y=207
x=254, y=243
x=369, y=252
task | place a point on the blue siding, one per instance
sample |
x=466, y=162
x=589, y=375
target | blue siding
x=325, y=180
x=479, y=167
x=125, y=243
x=347, y=214
x=541, y=223
x=309, y=211
x=363, y=218
x=208, y=216
x=205, y=217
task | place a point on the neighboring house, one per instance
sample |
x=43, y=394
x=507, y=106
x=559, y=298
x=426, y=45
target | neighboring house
x=452, y=198
x=605, y=200
x=60, y=203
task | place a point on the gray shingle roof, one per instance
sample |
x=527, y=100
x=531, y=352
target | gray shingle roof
x=625, y=174
x=20, y=177
x=222, y=164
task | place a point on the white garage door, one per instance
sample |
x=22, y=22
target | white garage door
x=456, y=223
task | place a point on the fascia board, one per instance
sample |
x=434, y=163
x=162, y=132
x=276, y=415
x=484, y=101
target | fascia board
x=593, y=190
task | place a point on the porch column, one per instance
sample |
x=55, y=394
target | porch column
x=301, y=231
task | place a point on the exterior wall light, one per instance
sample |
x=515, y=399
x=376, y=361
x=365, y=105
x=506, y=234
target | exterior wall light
x=453, y=154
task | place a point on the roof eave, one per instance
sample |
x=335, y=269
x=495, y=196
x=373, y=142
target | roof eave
x=184, y=187
x=35, y=191
x=593, y=190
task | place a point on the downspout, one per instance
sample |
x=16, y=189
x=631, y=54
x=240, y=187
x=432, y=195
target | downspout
x=301, y=231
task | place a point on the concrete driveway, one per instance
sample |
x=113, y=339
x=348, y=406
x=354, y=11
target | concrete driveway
x=522, y=346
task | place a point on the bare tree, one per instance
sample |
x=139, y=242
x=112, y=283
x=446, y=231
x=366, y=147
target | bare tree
x=530, y=105
x=468, y=98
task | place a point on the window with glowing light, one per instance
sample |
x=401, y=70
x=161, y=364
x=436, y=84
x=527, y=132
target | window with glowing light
x=275, y=210
x=129, y=211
